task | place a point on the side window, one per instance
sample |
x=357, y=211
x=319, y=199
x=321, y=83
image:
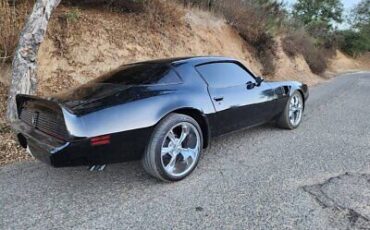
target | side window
x=224, y=74
x=169, y=78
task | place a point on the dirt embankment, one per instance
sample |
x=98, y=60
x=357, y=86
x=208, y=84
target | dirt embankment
x=98, y=41
x=343, y=63
x=75, y=53
x=82, y=44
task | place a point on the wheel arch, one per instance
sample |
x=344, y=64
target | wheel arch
x=304, y=100
x=293, y=89
x=199, y=117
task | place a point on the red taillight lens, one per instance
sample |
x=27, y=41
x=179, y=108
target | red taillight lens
x=102, y=140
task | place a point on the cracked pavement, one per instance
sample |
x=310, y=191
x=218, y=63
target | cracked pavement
x=347, y=197
x=314, y=177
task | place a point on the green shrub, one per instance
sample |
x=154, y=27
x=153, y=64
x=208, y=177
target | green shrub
x=72, y=15
x=354, y=43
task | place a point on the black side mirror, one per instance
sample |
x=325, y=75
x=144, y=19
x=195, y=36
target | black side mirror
x=250, y=85
x=259, y=80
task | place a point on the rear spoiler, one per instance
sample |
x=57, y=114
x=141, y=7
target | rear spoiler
x=23, y=100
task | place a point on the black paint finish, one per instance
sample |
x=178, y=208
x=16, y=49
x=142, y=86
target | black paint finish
x=128, y=103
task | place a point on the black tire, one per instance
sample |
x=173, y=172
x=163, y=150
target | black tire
x=152, y=161
x=283, y=120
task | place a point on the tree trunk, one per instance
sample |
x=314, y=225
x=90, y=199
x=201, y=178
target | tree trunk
x=24, y=79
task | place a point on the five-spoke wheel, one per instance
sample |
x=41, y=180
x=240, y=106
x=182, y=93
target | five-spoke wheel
x=291, y=117
x=295, y=109
x=174, y=149
x=180, y=149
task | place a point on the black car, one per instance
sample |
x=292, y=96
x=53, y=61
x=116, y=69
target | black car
x=164, y=112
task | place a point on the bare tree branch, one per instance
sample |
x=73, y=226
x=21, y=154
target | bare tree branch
x=24, y=79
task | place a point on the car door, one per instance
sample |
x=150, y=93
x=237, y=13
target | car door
x=238, y=102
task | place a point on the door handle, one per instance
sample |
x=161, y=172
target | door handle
x=218, y=98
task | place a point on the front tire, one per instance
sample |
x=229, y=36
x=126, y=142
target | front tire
x=174, y=148
x=292, y=115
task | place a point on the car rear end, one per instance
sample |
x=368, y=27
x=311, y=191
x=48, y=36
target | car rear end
x=41, y=129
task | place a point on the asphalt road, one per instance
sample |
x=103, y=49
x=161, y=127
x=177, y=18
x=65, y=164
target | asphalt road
x=315, y=177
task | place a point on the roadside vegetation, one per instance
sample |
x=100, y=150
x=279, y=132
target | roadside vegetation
x=356, y=41
x=309, y=29
x=12, y=17
x=258, y=22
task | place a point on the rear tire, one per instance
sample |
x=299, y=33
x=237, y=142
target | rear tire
x=174, y=148
x=292, y=115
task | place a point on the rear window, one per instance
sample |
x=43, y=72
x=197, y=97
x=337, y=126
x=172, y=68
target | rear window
x=141, y=74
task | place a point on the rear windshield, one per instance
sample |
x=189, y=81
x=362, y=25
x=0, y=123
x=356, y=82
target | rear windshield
x=141, y=74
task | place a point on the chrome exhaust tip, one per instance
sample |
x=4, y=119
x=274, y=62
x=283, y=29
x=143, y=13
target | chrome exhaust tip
x=98, y=168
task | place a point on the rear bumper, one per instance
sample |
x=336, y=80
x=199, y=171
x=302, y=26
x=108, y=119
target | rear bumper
x=123, y=146
x=50, y=150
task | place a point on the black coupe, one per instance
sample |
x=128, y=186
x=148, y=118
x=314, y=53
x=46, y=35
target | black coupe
x=164, y=112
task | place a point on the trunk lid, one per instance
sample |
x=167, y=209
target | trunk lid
x=44, y=115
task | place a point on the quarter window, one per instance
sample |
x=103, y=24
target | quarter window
x=224, y=74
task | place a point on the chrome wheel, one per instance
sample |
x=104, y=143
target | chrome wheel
x=180, y=149
x=295, y=109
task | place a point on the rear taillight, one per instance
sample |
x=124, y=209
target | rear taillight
x=101, y=140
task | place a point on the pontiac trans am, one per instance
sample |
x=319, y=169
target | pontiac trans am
x=164, y=112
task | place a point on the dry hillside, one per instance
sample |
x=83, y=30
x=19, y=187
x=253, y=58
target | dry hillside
x=100, y=41
x=97, y=40
x=84, y=43
x=343, y=63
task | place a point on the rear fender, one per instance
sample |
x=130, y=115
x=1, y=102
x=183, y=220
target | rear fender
x=139, y=114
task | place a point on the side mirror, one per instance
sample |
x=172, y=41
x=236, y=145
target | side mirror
x=250, y=85
x=259, y=80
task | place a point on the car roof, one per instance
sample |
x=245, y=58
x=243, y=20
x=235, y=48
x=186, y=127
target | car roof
x=194, y=60
x=202, y=59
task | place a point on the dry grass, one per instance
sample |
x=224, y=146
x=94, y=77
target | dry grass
x=119, y=6
x=150, y=16
x=159, y=13
x=12, y=18
x=10, y=151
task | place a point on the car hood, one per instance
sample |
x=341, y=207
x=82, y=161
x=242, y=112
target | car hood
x=96, y=96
